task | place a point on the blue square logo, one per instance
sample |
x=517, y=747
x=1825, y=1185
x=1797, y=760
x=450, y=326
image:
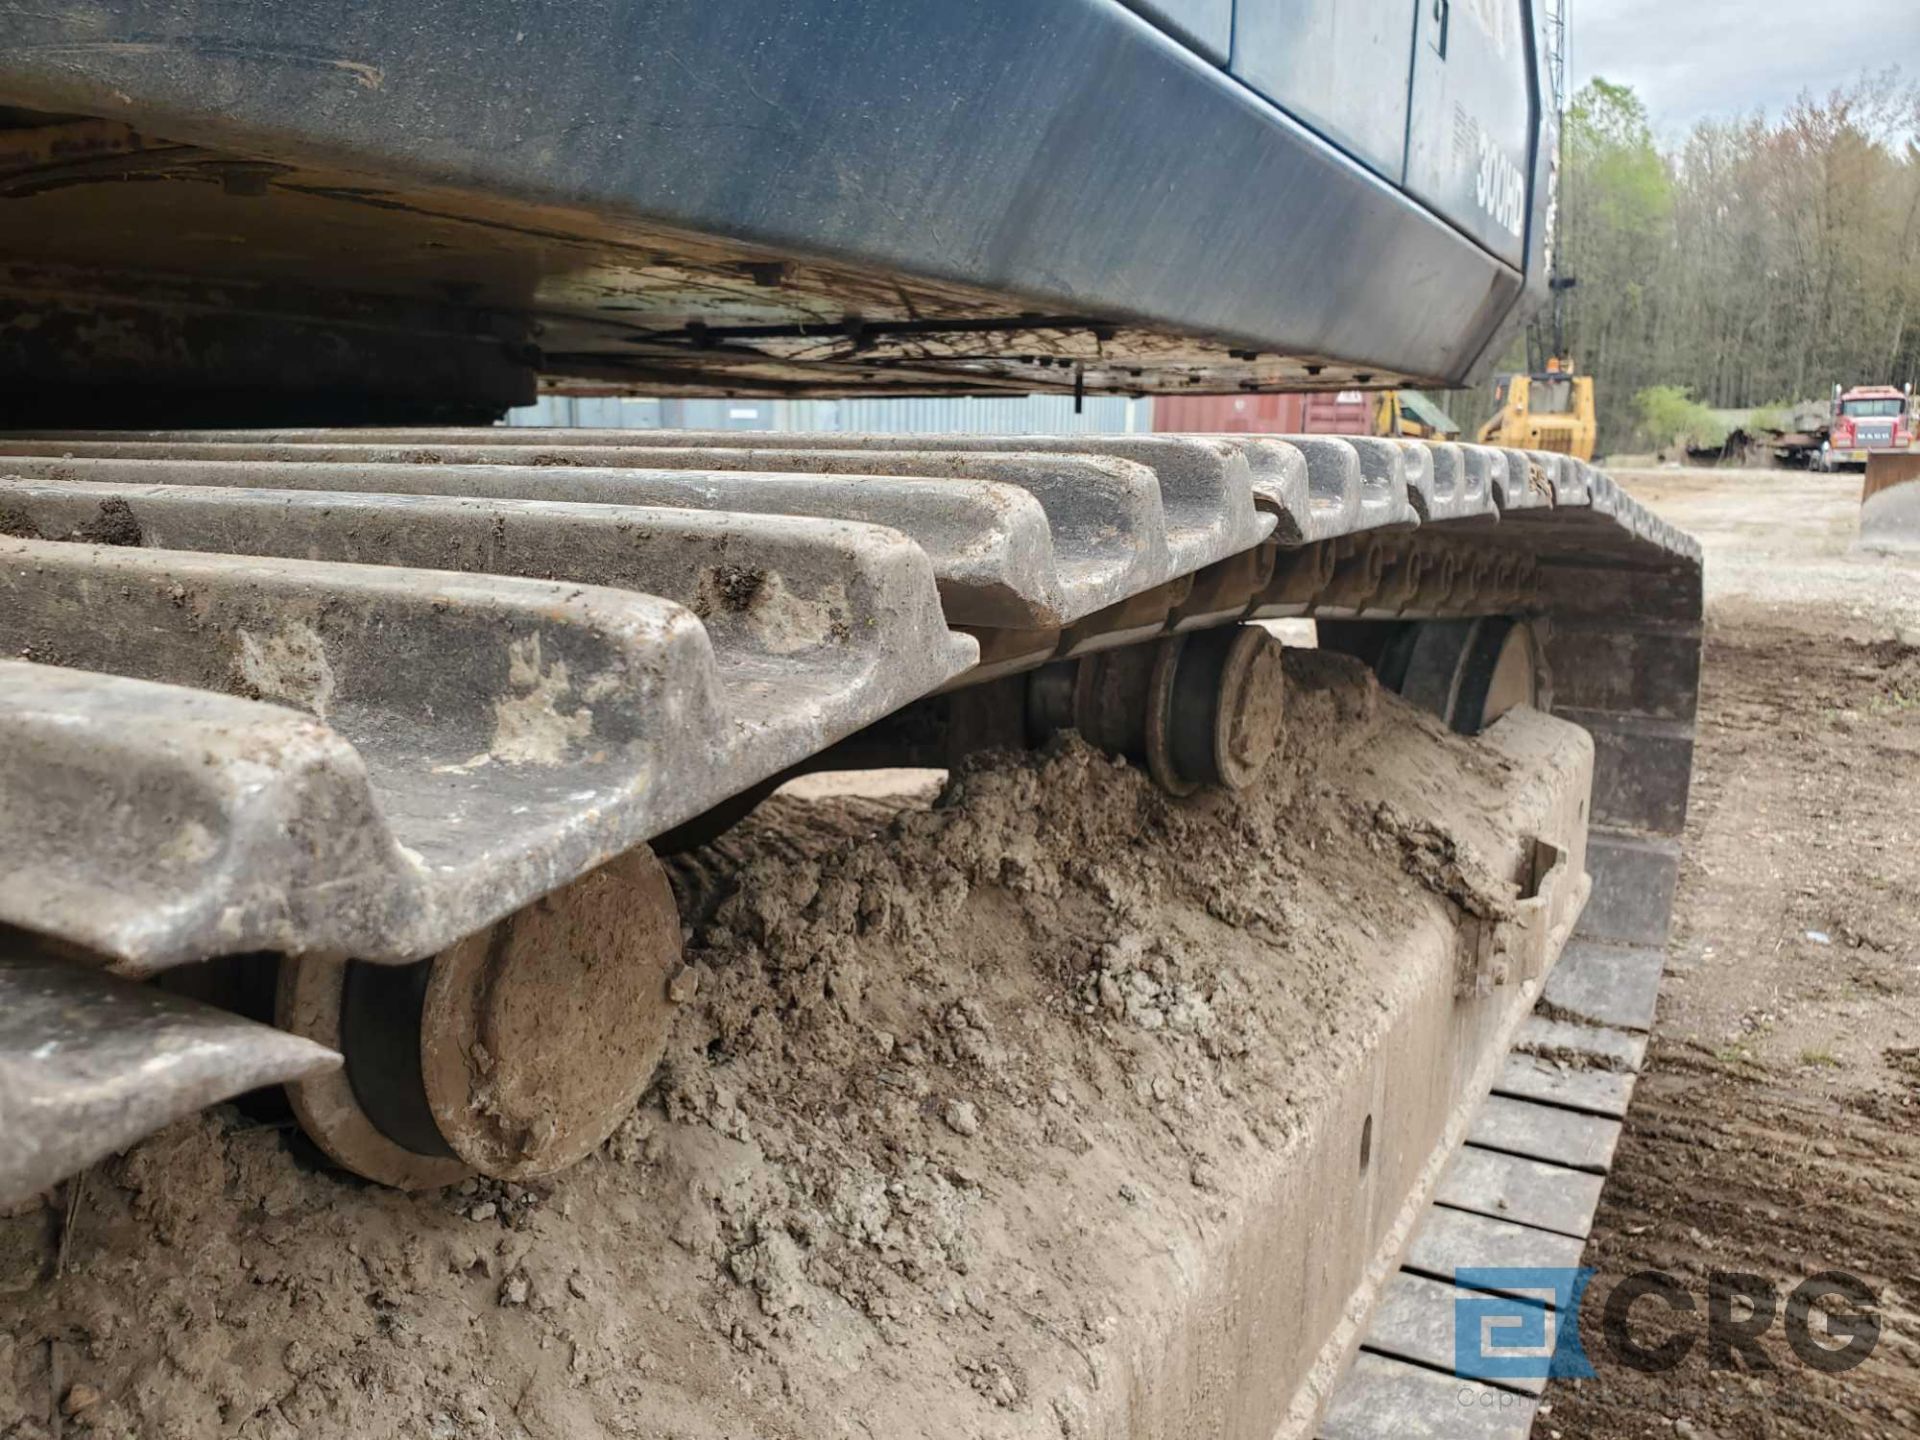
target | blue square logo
x=1528, y=1331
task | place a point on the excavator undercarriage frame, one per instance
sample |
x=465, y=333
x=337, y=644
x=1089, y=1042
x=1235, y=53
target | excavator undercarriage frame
x=412, y=705
x=395, y=688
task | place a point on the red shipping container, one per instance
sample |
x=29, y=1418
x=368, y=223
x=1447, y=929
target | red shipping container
x=1346, y=412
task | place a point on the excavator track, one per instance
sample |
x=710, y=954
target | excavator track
x=399, y=684
x=416, y=708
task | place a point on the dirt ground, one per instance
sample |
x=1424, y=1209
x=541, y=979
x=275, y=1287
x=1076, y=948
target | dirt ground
x=1777, y=1129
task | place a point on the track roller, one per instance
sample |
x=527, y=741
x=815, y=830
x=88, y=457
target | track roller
x=512, y=1054
x=1468, y=672
x=1194, y=710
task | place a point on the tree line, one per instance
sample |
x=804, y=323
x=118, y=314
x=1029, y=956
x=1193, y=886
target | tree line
x=1755, y=264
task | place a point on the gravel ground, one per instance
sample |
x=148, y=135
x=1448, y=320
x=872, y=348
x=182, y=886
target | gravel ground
x=1775, y=1132
x=1787, y=538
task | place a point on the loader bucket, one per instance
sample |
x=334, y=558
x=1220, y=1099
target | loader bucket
x=1890, y=502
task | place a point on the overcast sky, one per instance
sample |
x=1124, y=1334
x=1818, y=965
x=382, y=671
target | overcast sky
x=1692, y=58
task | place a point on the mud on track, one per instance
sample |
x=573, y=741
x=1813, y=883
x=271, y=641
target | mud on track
x=964, y=1098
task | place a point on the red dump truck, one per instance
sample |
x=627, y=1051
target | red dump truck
x=1865, y=419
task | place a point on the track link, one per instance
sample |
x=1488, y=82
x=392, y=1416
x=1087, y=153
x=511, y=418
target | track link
x=394, y=686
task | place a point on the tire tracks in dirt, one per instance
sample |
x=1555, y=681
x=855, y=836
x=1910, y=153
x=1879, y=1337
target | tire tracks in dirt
x=1776, y=1131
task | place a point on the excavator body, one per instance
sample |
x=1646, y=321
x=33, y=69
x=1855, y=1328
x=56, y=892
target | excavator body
x=342, y=730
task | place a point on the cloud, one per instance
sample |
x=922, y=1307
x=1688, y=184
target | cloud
x=1689, y=59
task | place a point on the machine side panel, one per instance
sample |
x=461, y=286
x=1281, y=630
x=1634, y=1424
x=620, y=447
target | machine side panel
x=1470, y=141
x=1069, y=157
x=1340, y=66
x=1206, y=25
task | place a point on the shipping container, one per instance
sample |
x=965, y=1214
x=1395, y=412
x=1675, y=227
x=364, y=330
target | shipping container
x=933, y=415
x=1345, y=412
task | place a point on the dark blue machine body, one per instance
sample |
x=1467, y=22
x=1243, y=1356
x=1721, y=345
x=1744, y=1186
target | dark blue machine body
x=744, y=196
